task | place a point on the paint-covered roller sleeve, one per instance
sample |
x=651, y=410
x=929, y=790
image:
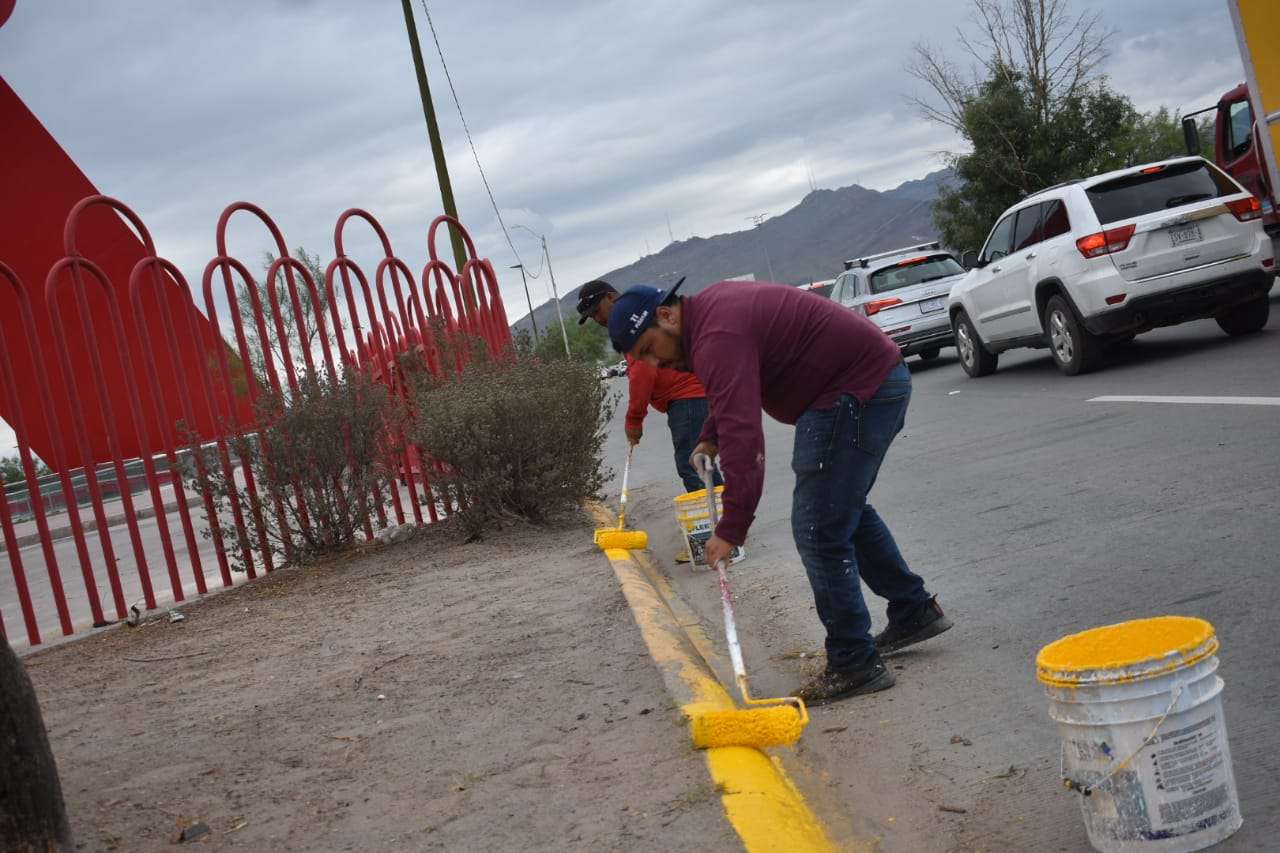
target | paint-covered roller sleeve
x=623, y=540
x=755, y=727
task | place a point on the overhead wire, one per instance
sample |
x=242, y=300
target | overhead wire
x=470, y=142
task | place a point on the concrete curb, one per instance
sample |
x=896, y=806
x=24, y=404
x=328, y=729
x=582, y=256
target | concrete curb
x=759, y=799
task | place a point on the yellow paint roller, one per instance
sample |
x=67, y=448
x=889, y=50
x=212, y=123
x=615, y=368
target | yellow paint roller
x=765, y=722
x=618, y=537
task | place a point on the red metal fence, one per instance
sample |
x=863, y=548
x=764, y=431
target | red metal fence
x=112, y=333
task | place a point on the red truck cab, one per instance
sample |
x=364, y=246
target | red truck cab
x=1236, y=148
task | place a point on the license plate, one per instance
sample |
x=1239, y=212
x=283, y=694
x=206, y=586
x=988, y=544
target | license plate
x=929, y=306
x=1184, y=234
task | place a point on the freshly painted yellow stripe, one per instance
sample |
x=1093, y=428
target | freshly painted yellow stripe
x=763, y=806
x=761, y=803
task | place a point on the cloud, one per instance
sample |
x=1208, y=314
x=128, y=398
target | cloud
x=594, y=122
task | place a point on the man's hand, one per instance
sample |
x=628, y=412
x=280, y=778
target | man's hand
x=717, y=550
x=710, y=448
x=634, y=435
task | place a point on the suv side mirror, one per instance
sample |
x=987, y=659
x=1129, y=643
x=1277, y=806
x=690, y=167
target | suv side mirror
x=969, y=260
x=1191, y=137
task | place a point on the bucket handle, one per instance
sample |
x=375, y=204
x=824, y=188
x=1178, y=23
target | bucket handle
x=1088, y=788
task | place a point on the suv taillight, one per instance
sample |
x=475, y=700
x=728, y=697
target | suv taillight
x=875, y=306
x=1105, y=242
x=1245, y=209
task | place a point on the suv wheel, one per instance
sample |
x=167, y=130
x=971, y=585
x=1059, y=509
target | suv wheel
x=974, y=357
x=1074, y=350
x=1247, y=318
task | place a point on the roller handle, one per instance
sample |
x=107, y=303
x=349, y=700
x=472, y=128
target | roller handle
x=622, y=501
x=702, y=463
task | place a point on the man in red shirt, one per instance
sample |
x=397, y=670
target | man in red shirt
x=842, y=383
x=677, y=393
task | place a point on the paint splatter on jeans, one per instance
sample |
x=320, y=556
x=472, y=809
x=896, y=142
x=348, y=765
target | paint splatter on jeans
x=840, y=537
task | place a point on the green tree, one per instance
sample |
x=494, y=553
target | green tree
x=588, y=343
x=1034, y=113
x=1016, y=151
x=299, y=339
x=11, y=468
x=1157, y=135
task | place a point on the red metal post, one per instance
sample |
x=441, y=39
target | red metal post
x=77, y=266
x=19, y=425
x=137, y=284
x=19, y=573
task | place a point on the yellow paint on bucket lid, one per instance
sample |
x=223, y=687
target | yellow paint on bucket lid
x=698, y=497
x=1127, y=651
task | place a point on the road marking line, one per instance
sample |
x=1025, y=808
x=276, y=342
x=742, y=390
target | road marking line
x=759, y=799
x=1195, y=401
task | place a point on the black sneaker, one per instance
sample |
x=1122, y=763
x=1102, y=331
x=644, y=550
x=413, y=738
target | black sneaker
x=929, y=621
x=834, y=684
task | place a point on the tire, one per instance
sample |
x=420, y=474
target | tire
x=1074, y=350
x=1247, y=318
x=974, y=357
x=929, y=354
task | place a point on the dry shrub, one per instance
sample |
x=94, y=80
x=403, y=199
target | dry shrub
x=520, y=438
x=328, y=456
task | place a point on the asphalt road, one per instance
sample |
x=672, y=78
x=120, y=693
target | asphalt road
x=1032, y=512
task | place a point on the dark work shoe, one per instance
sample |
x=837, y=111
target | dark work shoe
x=836, y=684
x=928, y=621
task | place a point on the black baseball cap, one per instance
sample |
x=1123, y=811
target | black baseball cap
x=635, y=311
x=589, y=296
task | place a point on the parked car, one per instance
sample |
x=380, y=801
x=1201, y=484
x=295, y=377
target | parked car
x=904, y=292
x=819, y=288
x=613, y=371
x=1087, y=263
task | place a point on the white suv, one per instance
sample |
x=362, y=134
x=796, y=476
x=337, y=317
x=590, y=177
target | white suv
x=1087, y=263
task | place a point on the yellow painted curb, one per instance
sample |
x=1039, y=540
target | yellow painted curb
x=761, y=803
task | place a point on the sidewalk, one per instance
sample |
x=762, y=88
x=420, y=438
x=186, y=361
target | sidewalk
x=432, y=695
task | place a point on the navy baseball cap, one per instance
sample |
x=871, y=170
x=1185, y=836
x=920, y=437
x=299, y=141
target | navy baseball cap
x=635, y=311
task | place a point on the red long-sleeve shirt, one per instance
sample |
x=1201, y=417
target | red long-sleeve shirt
x=770, y=346
x=657, y=387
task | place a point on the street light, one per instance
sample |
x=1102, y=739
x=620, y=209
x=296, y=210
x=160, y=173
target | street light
x=528, y=300
x=555, y=295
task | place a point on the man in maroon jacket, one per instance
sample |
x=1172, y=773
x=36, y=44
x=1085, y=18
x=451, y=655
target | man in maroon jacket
x=831, y=372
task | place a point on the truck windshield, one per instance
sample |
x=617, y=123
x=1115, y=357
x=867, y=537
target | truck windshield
x=914, y=271
x=1173, y=186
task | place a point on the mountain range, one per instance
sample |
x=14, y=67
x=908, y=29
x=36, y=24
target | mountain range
x=807, y=243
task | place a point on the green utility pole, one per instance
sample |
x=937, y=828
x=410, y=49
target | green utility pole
x=433, y=131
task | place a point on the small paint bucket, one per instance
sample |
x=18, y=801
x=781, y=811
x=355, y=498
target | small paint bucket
x=1139, y=710
x=695, y=524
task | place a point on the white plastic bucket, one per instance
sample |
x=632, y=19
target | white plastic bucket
x=1139, y=710
x=694, y=522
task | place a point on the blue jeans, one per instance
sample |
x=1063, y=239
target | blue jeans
x=685, y=418
x=839, y=535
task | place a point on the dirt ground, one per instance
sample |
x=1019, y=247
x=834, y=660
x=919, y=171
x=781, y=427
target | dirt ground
x=429, y=695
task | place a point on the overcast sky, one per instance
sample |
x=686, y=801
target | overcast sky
x=594, y=121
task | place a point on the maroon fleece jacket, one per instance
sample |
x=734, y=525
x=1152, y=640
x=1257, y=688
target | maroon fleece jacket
x=754, y=346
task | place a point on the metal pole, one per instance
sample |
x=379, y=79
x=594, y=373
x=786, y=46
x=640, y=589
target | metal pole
x=433, y=131
x=556, y=296
x=532, y=319
x=758, y=219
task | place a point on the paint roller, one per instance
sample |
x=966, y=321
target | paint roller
x=764, y=722
x=619, y=537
